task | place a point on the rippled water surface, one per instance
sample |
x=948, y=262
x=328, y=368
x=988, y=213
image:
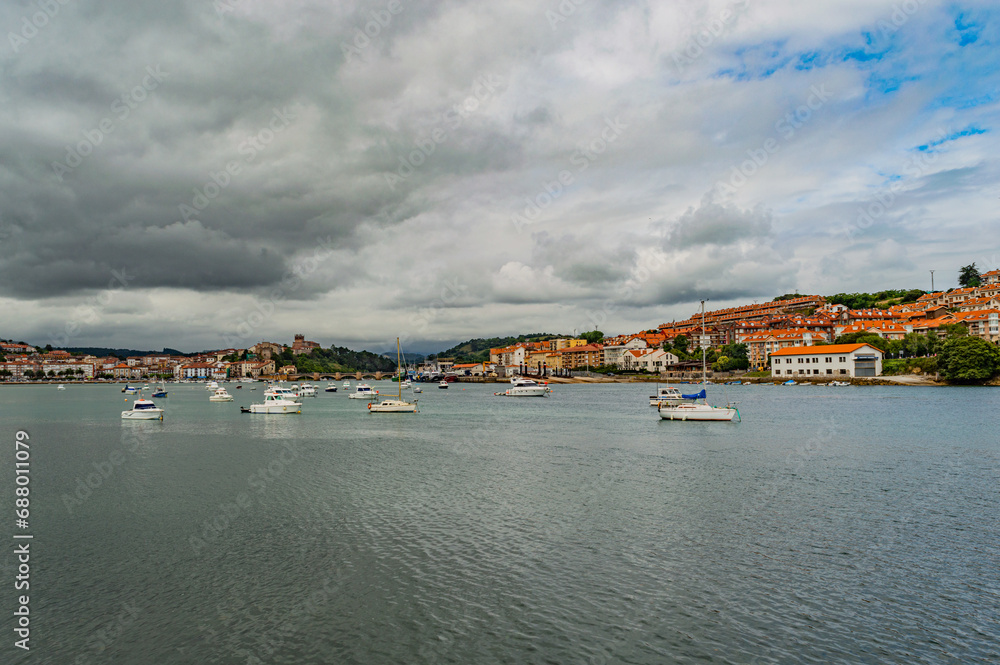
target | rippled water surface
x=832, y=525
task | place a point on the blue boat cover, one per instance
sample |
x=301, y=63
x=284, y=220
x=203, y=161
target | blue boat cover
x=701, y=395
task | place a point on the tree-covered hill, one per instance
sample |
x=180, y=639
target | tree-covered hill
x=886, y=298
x=478, y=350
x=338, y=359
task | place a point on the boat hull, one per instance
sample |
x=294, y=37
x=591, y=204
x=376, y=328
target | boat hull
x=145, y=414
x=540, y=391
x=698, y=413
x=392, y=406
x=275, y=409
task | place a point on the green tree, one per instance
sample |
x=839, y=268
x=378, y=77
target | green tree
x=871, y=339
x=969, y=276
x=680, y=346
x=911, y=296
x=593, y=336
x=968, y=360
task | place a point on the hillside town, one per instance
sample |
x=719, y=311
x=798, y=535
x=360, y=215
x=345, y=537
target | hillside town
x=25, y=362
x=788, y=327
x=765, y=329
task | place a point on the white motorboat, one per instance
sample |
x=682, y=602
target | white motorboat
x=418, y=389
x=60, y=387
x=347, y=384
x=666, y=395
x=212, y=385
x=442, y=384
x=143, y=409
x=276, y=400
x=521, y=387
x=220, y=395
x=398, y=405
x=363, y=391
x=330, y=388
x=307, y=390
x=130, y=390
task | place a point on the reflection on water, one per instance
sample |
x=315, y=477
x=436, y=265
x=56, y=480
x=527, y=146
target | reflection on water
x=847, y=525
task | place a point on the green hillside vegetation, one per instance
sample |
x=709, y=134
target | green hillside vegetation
x=336, y=359
x=478, y=350
x=881, y=299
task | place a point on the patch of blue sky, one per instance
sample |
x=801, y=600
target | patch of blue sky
x=968, y=29
x=757, y=61
x=972, y=130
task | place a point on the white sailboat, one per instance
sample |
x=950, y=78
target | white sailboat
x=691, y=408
x=398, y=405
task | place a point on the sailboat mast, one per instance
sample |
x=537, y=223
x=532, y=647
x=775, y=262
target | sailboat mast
x=704, y=376
x=399, y=378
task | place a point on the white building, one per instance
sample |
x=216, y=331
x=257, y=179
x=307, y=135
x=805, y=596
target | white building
x=830, y=360
x=651, y=360
x=613, y=353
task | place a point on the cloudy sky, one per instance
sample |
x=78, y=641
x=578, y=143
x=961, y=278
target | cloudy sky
x=202, y=175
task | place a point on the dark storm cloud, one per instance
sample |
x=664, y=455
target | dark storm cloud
x=211, y=173
x=717, y=224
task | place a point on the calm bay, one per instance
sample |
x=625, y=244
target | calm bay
x=854, y=525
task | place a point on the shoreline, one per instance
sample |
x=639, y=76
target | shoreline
x=902, y=380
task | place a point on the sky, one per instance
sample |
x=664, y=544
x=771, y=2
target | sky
x=201, y=175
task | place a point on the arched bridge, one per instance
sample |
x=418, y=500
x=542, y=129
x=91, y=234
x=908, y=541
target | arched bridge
x=338, y=376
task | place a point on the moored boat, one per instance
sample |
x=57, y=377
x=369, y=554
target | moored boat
x=220, y=395
x=522, y=387
x=398, y=405
x=276, y=401
x=666, y=395
x=143, y=409
x=363, y=391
